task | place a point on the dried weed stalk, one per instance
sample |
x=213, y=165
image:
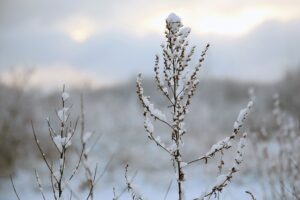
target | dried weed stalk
x=177, y=80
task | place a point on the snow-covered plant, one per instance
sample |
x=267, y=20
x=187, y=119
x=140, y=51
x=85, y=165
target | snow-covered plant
x=280, y=162
x=62, y=141
x=135, y=195
x=177, y=80
x=61, y=171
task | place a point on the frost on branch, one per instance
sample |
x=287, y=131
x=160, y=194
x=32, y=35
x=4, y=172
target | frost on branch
x=242, y=116
x=148, y=125
x=148, y=106
x=135, y=194
x=224, y=179
x=153, y=111
x=239, y=154
x=225, y=143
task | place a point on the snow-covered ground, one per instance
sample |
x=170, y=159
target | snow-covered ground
x=155, y=188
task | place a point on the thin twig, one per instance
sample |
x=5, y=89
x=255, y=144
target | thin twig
x=13, y=185
x=39, y=183
x=251, y=195
x=93, y=181
x=41, y=151
x=105, y=169
x=168, y=190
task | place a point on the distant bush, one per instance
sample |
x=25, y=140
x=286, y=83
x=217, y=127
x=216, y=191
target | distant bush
x=16, y=109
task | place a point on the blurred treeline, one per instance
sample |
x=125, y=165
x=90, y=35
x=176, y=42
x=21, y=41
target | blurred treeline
x=115, y=113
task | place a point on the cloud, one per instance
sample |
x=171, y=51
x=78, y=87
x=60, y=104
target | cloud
x=264, y=54
x=54, y=77
x=231, y=18
x=117, y=39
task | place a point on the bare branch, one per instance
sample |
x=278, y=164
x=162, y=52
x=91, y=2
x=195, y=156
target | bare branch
x=168, y=190
x=251, y=195
x=39, y=184
x=13, y=185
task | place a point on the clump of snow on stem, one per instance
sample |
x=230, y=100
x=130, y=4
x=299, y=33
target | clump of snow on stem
x=65, y=96
x=223, y=144
x=184, y=33
x=173, y=18
x=224, y=179
x=154, y=111
x=61, y=142
x=149, y=107
x=242, y=115
x=63, y=114
x=239, y=151
x=148, y=125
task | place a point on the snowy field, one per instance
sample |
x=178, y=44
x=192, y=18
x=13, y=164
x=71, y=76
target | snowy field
x=177, y=134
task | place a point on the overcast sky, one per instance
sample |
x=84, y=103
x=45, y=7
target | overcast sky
x=110, y=41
